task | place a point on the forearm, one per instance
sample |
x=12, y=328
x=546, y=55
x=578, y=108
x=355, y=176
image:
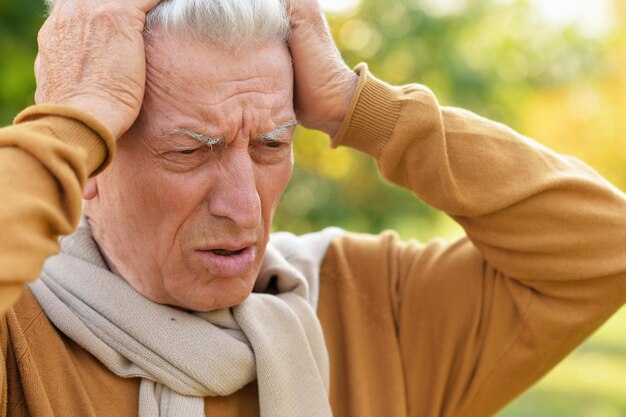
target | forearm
x=534, y=214
x=45, y=159
x=546, y=264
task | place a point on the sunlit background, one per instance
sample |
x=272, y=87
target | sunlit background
x=552, y=69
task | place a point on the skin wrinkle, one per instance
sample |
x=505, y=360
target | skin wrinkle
x=154, y=79
x=218, y=83
x=158, y=208
x=273, y=135
x=158, y=80
x=206, y=140
x=215, y=140
x=244, y=132
x=239, y=89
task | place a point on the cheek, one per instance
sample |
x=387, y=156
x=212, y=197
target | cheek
x=177, y=194
x=141, y=197
x=272, y=183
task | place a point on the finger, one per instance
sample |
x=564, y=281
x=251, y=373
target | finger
x=289, y=7
x=37, y=64
x=54, y=6
x=145, y=5
x=64, y=8
x=301, y=9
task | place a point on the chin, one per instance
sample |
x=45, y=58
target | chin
x=219, y=294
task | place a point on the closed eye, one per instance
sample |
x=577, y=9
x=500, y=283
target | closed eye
x=187, y=151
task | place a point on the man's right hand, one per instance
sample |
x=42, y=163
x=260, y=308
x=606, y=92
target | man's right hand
x=91, y=56
x=324, y=83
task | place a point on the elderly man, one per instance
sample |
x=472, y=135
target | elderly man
x=172, y=300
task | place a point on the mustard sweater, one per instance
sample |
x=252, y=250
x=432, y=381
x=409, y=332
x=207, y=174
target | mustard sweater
x=439, y=329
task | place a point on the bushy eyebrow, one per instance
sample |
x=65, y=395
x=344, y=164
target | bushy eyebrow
x=279, y=130
x=207, y=140
x=219, y=140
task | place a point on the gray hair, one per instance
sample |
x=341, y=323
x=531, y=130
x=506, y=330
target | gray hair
x=226, y=23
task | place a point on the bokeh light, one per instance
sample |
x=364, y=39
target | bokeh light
x=552, y=69
x=339, y=6
x=592, y=18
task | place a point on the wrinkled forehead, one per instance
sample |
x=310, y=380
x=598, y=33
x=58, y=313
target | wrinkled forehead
x=189, y=81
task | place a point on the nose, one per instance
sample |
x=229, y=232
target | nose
x=234, y=193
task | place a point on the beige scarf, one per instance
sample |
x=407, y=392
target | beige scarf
x=182, y=357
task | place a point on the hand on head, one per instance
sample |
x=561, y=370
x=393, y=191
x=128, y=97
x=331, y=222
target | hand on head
x=324, y=85
x=91, y=56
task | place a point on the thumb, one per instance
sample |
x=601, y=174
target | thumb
x=146, y=5
x=37, y=64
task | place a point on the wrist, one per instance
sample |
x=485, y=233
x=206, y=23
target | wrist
x=334, y=98
x=76, y=128
x=344, y=96
x=101, y=110
x=372, y=115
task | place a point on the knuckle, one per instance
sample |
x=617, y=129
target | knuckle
x=109, y=9
x=45, y=31
x=41, y=36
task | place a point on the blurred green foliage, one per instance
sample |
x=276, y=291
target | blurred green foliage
x=19, y=23
x=560, y=84
x=490, y=56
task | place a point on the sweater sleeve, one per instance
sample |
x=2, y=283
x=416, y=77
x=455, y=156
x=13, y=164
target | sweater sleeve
x=45, y=159
x=542, y=266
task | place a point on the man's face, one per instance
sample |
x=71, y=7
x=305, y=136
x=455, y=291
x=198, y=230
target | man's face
x=185, y=224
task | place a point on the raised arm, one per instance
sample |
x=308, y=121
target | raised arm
x=90, y=81
x=544, y=263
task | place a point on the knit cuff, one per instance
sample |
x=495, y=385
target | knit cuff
x=372, y=116
x=75, y=128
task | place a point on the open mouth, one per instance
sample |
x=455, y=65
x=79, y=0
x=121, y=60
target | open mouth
x=228, y=261
x=224, y=252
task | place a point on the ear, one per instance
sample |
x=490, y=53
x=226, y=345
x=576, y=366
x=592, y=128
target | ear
x=91, y=189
